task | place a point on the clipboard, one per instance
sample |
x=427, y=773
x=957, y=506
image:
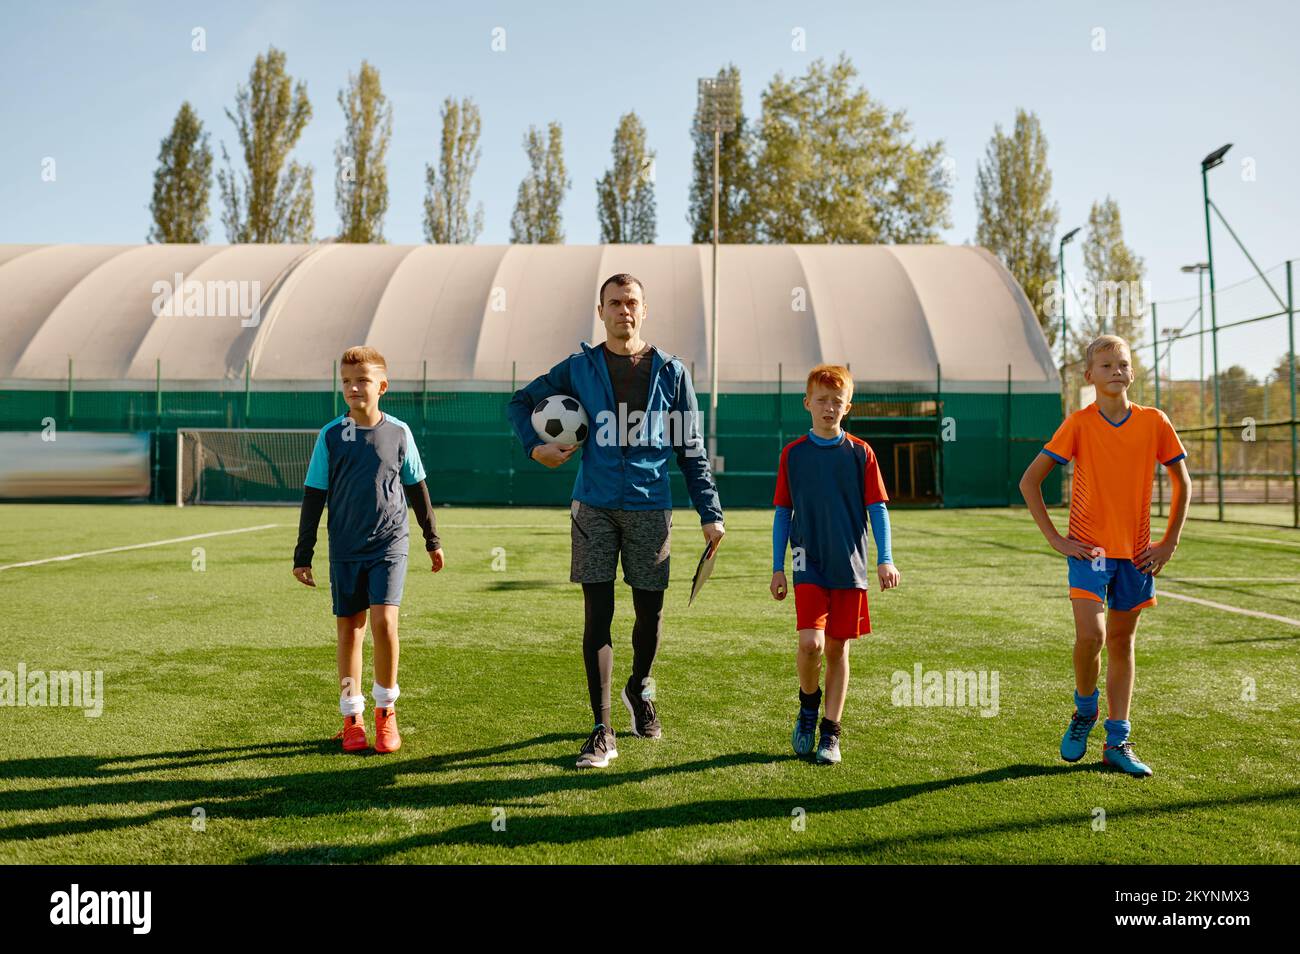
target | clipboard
x=702, y=571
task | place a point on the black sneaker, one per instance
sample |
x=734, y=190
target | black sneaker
x=599, y=749
x=828, y=751
x=645, y=724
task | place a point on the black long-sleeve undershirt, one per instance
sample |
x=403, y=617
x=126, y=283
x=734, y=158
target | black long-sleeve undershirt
x=313, y=505
x=417, y=495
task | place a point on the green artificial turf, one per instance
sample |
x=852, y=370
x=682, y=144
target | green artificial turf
x=220, y=695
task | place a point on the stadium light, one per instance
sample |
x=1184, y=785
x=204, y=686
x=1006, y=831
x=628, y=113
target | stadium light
x=1209, y=162
x=1215, y=158
x=717, y=115
x=1060, y=258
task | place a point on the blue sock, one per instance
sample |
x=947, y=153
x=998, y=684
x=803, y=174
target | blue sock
x=1116, y=731
x=1087, y=705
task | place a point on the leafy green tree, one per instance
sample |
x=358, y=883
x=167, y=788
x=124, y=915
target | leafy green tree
x=447, y=218
x=735, y=173
x=626, y=193
x=537, y=218
x=836, y=166
x=271, y=199
x=182, y=182
x=1017, y=217
x=361, y=175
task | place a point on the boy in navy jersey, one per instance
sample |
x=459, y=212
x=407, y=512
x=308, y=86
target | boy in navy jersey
x=366, y=465
x=828, y=486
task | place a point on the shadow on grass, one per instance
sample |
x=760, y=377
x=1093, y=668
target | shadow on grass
x=97, y=766
x=1072, y=820
x=509, y=585
x=353, y=784
x=1261, y=639
x=573, y=829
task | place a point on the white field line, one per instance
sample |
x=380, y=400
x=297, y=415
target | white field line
x=1229, y=609
x=1237, y=536
x=1201, y=537
x=137, y=546
x=1234, y=579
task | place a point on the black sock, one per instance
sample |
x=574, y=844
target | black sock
x=597, y=646
x=811, y=700
x=649, y=605
x=832, y=727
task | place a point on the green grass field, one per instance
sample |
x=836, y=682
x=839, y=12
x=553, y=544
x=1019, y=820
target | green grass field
x=220, y=695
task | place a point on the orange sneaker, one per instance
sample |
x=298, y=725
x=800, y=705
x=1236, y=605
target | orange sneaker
x=386, y=737
x=353, y=734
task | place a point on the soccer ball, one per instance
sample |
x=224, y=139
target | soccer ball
x=560, y=419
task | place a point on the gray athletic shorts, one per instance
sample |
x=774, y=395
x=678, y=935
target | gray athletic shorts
x=600, y=536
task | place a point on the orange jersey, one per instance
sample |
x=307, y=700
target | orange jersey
x=1110, y=497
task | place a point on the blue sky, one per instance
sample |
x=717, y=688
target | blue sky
x=96, y=86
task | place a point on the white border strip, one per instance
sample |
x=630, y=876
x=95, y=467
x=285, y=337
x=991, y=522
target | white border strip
x=1235, y=579
x=138, y=546
x=1229, y=609
x=1239, y=536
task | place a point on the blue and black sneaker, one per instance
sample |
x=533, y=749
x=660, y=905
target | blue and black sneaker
x=804, y=737
x=1121, y=757
x=828, y=750
x=1075, y=741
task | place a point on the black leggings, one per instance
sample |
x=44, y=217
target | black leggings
x=598, y=645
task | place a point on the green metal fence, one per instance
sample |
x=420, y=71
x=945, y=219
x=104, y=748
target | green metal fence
x=935, y=448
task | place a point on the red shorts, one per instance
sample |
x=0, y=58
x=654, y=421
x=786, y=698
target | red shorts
x=841, y=613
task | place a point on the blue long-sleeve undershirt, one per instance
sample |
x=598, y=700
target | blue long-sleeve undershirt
x=780, y=537
x=876, y=513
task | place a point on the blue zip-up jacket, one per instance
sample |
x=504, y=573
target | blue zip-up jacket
x=627, y=477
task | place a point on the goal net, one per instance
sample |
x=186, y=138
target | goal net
x=242, y=465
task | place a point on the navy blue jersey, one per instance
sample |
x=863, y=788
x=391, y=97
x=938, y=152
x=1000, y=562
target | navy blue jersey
x=362, y=470
x=828, y=486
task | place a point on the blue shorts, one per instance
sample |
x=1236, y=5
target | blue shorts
x=1116, y=583
x=356, y=585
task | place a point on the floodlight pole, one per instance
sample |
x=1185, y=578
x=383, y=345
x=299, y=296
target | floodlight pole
x=1200, y=321
x=717, y=110
x=1060, y=258
x=1208, y=163
x=713, y=348
x=1290, y=324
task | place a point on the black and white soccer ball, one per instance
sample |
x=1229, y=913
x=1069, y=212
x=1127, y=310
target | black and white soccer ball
x=560, y=419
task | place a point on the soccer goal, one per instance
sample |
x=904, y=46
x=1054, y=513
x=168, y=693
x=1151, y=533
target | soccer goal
x=241, y=465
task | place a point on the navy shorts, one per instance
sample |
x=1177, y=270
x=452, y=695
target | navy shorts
x=1116, y=583
x=357, y=585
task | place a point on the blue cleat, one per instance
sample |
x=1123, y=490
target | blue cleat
x=1075, y=741
x=1121, y=757
x=804, y=736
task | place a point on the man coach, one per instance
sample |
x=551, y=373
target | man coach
x=642, y=411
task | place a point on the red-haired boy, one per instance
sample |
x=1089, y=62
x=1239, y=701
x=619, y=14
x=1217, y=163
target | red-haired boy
x=828, y=489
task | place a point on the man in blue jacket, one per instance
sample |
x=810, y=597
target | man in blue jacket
x=642, y=411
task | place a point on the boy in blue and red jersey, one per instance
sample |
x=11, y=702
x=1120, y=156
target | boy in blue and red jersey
x=828, y=487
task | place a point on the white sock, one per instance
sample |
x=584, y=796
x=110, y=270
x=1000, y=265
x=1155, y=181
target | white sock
x=352, y=705
x=384, y=698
